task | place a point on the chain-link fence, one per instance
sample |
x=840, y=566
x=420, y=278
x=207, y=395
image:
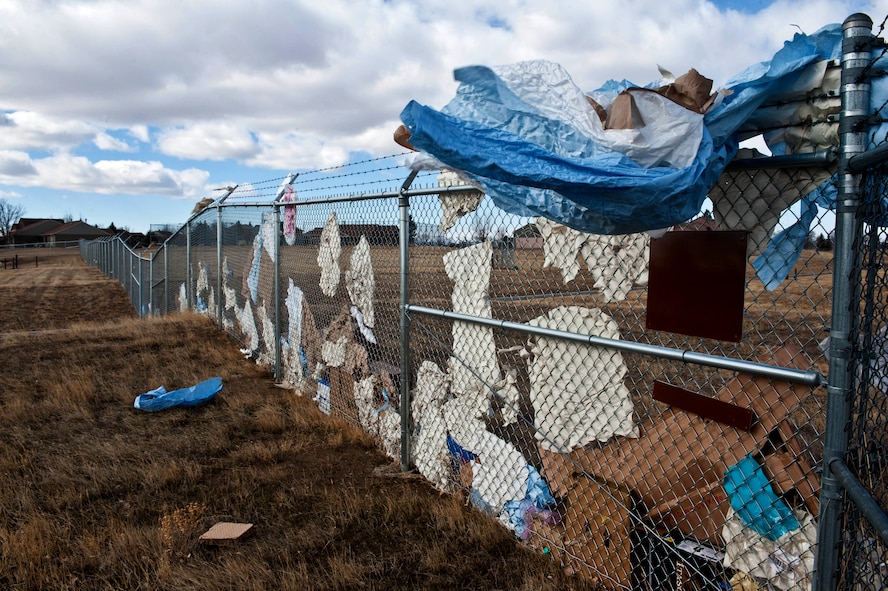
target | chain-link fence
x=650, y=410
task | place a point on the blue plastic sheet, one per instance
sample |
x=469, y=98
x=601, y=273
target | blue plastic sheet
x=533, y=163
x=159, y=399
x=755, y=503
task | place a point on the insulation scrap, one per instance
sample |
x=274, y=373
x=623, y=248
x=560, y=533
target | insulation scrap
x=617, y=262
x=786, y=564
x=255, y=262
x=560, y=247
x=577, y=391
x=469, y=269
x=499, y=474
x=334, y=353
x=364, y=400
x=293, y=302
x=430, y=452
x=754, y=200
x=269, y=235
x=356, y=360
x=508, y=394
x=229, y=297
x=248, y=326
x=267, y=355
x=360, y=282
x=456, y=205
x=183, y=299
x=328, y=256
x=205, y=292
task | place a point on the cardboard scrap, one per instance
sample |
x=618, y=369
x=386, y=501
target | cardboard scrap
x=677, y=464
x=225, y=533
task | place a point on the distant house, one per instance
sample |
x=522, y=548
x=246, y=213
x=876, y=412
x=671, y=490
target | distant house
x=31, y=230
x=528, y=236
x=52, y=231
x=351, y=234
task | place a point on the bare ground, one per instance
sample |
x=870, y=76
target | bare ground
x=95, y=494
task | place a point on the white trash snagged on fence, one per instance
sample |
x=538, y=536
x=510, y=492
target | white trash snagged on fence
x=577, y=391
x=430, y=453
x=500, y=473
x=616, y=262
x=469, y=269
x=328, y=256
x=456, y=205
x=786, y=564
x=360, y=283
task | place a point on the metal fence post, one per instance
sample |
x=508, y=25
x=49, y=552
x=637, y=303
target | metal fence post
x=278, y=374
x=188, y=287
x=219, y=267
x=404, y=250
x=166, y=278
x=853, y=122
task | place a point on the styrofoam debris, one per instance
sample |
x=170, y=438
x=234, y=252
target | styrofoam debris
x=500, y=473
x=329, y=252
x=364, y=401
x=247, y=324
x=205, y=291
x=360, y=283
x=469, y=268
x=755, y=200
x=183, y=298
x=269, y=235
x=617, y=262
x=577, y=391
x=267, y=355
x=430, y=453
x=334, y=353
x=561, y=245
x=255, y=263
x=507, y=392
x=785, y=564
x=456, y=205
x=293, y=302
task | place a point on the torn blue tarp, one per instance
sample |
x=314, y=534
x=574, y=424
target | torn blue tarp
x=527, y=136
x=160, y=399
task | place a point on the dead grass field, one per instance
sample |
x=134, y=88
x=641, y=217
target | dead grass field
x=95, y=494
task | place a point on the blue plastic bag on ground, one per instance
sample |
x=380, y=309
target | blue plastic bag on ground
x=160, y=399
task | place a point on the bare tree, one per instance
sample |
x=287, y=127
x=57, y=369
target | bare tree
x=10, y=213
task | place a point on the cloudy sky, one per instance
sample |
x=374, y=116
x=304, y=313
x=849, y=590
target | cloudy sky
x=130, y=111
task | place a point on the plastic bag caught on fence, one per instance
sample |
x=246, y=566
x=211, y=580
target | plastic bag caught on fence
x=159, y=399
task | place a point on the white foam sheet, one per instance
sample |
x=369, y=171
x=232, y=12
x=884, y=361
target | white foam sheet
x=455, y=205
x=561, y=245
x=577, y=391
x=469, y=268
x=617, y=262
x=329, y=252
x=786, y=564
x=430, y=453
x=247, y=323
x=360, y=282
x=334, y=352
x=754, y=200
x=500, y=472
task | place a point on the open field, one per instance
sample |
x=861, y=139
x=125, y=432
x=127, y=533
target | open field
x=95, y=494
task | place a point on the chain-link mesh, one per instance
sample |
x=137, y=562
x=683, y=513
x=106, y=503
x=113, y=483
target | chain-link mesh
x=865, y=555
x=620, y=463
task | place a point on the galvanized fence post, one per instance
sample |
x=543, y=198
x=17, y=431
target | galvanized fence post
x=404, y=252
x=219, y=264
x=188, y=286
x=853, y=126
x=278, y=374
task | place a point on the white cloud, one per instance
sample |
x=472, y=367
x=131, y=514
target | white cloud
x=10, y=195
x=208, y=141
x=107, y=177
x=103, y=141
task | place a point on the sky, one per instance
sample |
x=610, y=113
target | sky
x=130, y=111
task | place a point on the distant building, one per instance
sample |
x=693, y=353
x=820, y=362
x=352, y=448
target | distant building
x=52, y=231
x=528, y=236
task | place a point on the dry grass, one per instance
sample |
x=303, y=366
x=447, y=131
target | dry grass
x=95, y=494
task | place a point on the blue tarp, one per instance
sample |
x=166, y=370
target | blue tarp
x=531, y=162
x=160, y=399
x=754, y=501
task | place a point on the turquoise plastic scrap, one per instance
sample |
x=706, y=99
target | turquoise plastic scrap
x=755, y=502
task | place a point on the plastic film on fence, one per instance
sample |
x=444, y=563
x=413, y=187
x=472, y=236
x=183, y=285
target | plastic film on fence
x=634, y=469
